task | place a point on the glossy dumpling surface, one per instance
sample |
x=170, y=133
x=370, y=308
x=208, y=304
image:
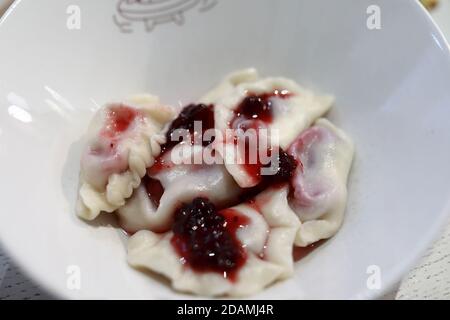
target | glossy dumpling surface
x=180, y=183
x=265, y=236
x=319, y=194
x=122, y=142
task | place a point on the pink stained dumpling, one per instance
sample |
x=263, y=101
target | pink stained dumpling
x=104, y=155
x=315, y=183
x=319, y=186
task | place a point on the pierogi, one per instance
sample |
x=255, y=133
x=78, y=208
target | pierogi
x=217, y=195
x=123, y=140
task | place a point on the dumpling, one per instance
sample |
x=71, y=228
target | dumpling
x=235, y=252
x=278, y=105
x=286, y=106
x=123, y=141
x=319, y=184
x=180, y=174
x=170, y=184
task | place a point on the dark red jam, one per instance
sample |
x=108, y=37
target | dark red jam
x=118, y=120
x=206, y=238
x=154, y=189
x=190, y=114
x=186, y=120
x=285, y=171
x=258, y=107
x=249, y=114
x=301, y=252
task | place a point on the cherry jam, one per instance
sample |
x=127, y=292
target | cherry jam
x=206, y=238
x=186, y=120
x=118, y=120
x=301, y=252
x=258, y=107
x=154, y=189
x=284, y=172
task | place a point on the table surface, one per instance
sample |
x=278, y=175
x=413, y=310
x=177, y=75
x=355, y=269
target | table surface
x=429, y=280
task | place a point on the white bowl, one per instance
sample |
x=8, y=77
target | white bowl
x=393, y=98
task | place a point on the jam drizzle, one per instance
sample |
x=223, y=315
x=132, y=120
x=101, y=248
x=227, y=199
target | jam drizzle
x=154, y=189
x=207, y=238
x=286, y=168
x=257, y=107
x=186, y=120
x=204, y=237
x=301, y=252
x=104, y=149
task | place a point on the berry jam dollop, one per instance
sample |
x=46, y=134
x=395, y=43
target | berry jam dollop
x=284, y=172
x=206, y=238
x=154, y=189
x=300, y=252
x=190, y=114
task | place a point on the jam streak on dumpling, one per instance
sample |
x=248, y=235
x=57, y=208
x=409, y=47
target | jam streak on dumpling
x=256, y=112
x=186, y=120
x=299, y=253
x=118, y=120
x=286, y=168
x=206, y=238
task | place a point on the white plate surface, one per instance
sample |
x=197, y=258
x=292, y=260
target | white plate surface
x=393, y=97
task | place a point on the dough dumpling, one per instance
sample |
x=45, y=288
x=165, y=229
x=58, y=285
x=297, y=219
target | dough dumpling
x=319, y=184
